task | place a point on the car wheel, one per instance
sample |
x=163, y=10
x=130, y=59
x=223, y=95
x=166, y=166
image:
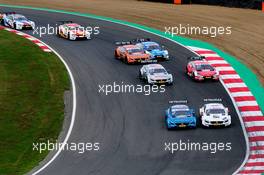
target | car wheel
x=140, y=75
x=126, y=60
x=69, y=37
x=168, y=128
x=170, y=84
x=58, y=32
x=204, y=127
x=148, y=81
x=193, y=76
x=15, y=26
x=166, y=123
x=186, y=71
x=116, y=56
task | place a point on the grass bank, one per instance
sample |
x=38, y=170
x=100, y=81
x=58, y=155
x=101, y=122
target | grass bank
x=32, y=86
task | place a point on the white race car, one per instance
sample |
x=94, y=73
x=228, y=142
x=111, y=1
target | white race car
x=155, y=74
x=17, y=21
x=73, y=31
x=215, y=114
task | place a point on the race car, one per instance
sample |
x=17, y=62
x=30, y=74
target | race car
x=215, y=114
x=155, y=74
x=180, y=116
x=199, y=69
x=17, y=21
x=72, y=31
x=153, y=49
x=131, y=54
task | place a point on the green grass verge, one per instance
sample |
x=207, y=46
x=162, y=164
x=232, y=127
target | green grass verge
x=32, y=86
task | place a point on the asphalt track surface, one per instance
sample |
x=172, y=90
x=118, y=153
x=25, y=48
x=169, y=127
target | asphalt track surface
x=130, y=127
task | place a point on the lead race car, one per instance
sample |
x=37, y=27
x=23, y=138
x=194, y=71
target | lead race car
x=180, y=116
x=155, y=74
x=72, y=31
x=16, y=21
x=130, y=53
x=199, y=69
x=215, y=114
x=153, y=49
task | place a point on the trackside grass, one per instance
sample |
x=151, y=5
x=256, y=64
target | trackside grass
x=32, y=86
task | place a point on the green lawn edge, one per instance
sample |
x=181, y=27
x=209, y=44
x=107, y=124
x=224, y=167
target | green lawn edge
x=33, y=83
x=245, y=73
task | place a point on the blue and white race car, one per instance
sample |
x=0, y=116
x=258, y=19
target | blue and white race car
x=180, y=116
x=154, y=50
x=17, y=21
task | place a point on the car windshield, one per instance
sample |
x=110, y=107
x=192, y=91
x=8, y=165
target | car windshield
x=135, y=50
x=180, y=114
x=215, y=111
x=20, y=18
x=157, y=71
x=153, y=47
x=200, y=67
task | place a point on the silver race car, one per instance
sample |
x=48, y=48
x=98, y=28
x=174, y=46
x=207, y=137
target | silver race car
x=155, y=74
x=17, y=21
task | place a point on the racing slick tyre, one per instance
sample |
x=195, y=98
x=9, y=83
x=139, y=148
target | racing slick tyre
x=170, y=84
x=140, y=75
x=167, y=127
x=15, y=26
x=147, y=81
x=203, y=126
x=116, y=56
x=58, y=33
x=193, y=76
x=186, y=71
x=125, y=60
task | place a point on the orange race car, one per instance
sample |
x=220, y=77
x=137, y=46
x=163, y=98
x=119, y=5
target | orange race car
x=130, y=53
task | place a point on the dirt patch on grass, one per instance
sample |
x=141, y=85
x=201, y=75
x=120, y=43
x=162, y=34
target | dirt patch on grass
x=246, y=41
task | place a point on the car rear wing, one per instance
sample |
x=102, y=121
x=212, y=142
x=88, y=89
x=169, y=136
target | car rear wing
x=65, y=22
x=140, y=40
x=6, y=13
x=178, y=101
x=122, y=43
x=134, y=41
x=194, y=58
